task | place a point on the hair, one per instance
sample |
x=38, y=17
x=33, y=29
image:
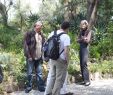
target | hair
x=84, y=22
x=37, y=23
x=65, y=25
x=87, y=29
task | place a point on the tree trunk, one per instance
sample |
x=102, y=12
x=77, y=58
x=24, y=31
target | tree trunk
x=4, y=14
x=92, y=12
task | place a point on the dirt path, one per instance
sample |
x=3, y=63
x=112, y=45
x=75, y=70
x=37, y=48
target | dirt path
x=100, y=87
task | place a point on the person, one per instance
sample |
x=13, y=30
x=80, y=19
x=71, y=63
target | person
x=1, y=74
x=33, y=42
x=58, y=68
x=84, y=40
x=64, y=89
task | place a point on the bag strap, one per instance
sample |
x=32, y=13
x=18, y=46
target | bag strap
x=55, y=33
x=59, y=36
x=61, y=52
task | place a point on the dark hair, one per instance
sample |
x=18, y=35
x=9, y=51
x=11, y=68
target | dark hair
x=65, y=25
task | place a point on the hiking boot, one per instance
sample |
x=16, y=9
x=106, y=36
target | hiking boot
x=82, y=83
x=28, y=89
x=69, y=93
x=42, y=89
x=87, y=83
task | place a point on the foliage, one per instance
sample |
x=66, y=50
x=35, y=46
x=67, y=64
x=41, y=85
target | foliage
x=73, y=69
x=11, y=39
x=94, y=52
x=13, y=64
x=103, y=67
x=32, y=19
x=13, y=69
x=52, y=13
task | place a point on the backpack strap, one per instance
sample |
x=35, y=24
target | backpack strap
x=55, y=33
x=61, y=52
x=58, y=37
x=61, y=34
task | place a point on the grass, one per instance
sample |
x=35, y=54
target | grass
x=103, y=67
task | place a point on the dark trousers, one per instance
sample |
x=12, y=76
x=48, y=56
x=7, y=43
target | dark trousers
x=83, y=63
x=37, y=64
x=1, y=74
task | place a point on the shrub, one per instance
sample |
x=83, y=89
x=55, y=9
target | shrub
x=73, y=69
x=11, y=63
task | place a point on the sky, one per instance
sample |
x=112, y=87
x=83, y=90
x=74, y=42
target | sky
x=33, y=4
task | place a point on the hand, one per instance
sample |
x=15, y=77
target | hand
x=85, y=38
x=82, y=37
x=30, y=59
x=66, y=61
x=78, y=40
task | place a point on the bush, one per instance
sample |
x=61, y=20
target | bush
x=73, y=69
x=94, y=52
x=11, y=39
x=12, y=63
x=103, y=67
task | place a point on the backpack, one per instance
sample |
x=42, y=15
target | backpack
x=52, y=46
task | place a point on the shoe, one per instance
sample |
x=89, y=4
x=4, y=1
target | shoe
x=41, y=89
x=82, y=83
x=69, y=93
x=28, y=89
x=87, y=83
x=49, y=94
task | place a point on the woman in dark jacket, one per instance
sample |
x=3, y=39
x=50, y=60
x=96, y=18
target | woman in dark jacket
x=83, y=40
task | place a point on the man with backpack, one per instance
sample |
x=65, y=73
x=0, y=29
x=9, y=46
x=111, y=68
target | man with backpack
x=33, y=42
x=58, y=51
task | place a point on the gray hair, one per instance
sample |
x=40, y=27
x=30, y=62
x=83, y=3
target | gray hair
x=84, y=22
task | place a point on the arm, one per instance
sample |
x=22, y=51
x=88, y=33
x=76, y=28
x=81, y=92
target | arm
x=26, y=47
x=66, y=49
x=66, y=52
x=43, y=38
x=80, y=38
x=87, y=38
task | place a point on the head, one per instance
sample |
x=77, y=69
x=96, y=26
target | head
x=38, y=26
x=84, y=24
x=65, y=26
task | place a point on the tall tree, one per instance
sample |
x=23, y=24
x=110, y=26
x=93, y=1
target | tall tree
x=92, y=11
x=4, y=8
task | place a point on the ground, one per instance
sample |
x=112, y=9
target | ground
x=98, y=87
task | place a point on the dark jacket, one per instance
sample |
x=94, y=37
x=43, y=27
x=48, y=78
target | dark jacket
x=30, y=44
x=84, y=34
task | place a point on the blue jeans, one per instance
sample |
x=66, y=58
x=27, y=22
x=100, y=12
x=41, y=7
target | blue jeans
x=37, y=64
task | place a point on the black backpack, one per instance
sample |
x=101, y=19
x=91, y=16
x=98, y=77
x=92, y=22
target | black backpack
x=52, y=46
